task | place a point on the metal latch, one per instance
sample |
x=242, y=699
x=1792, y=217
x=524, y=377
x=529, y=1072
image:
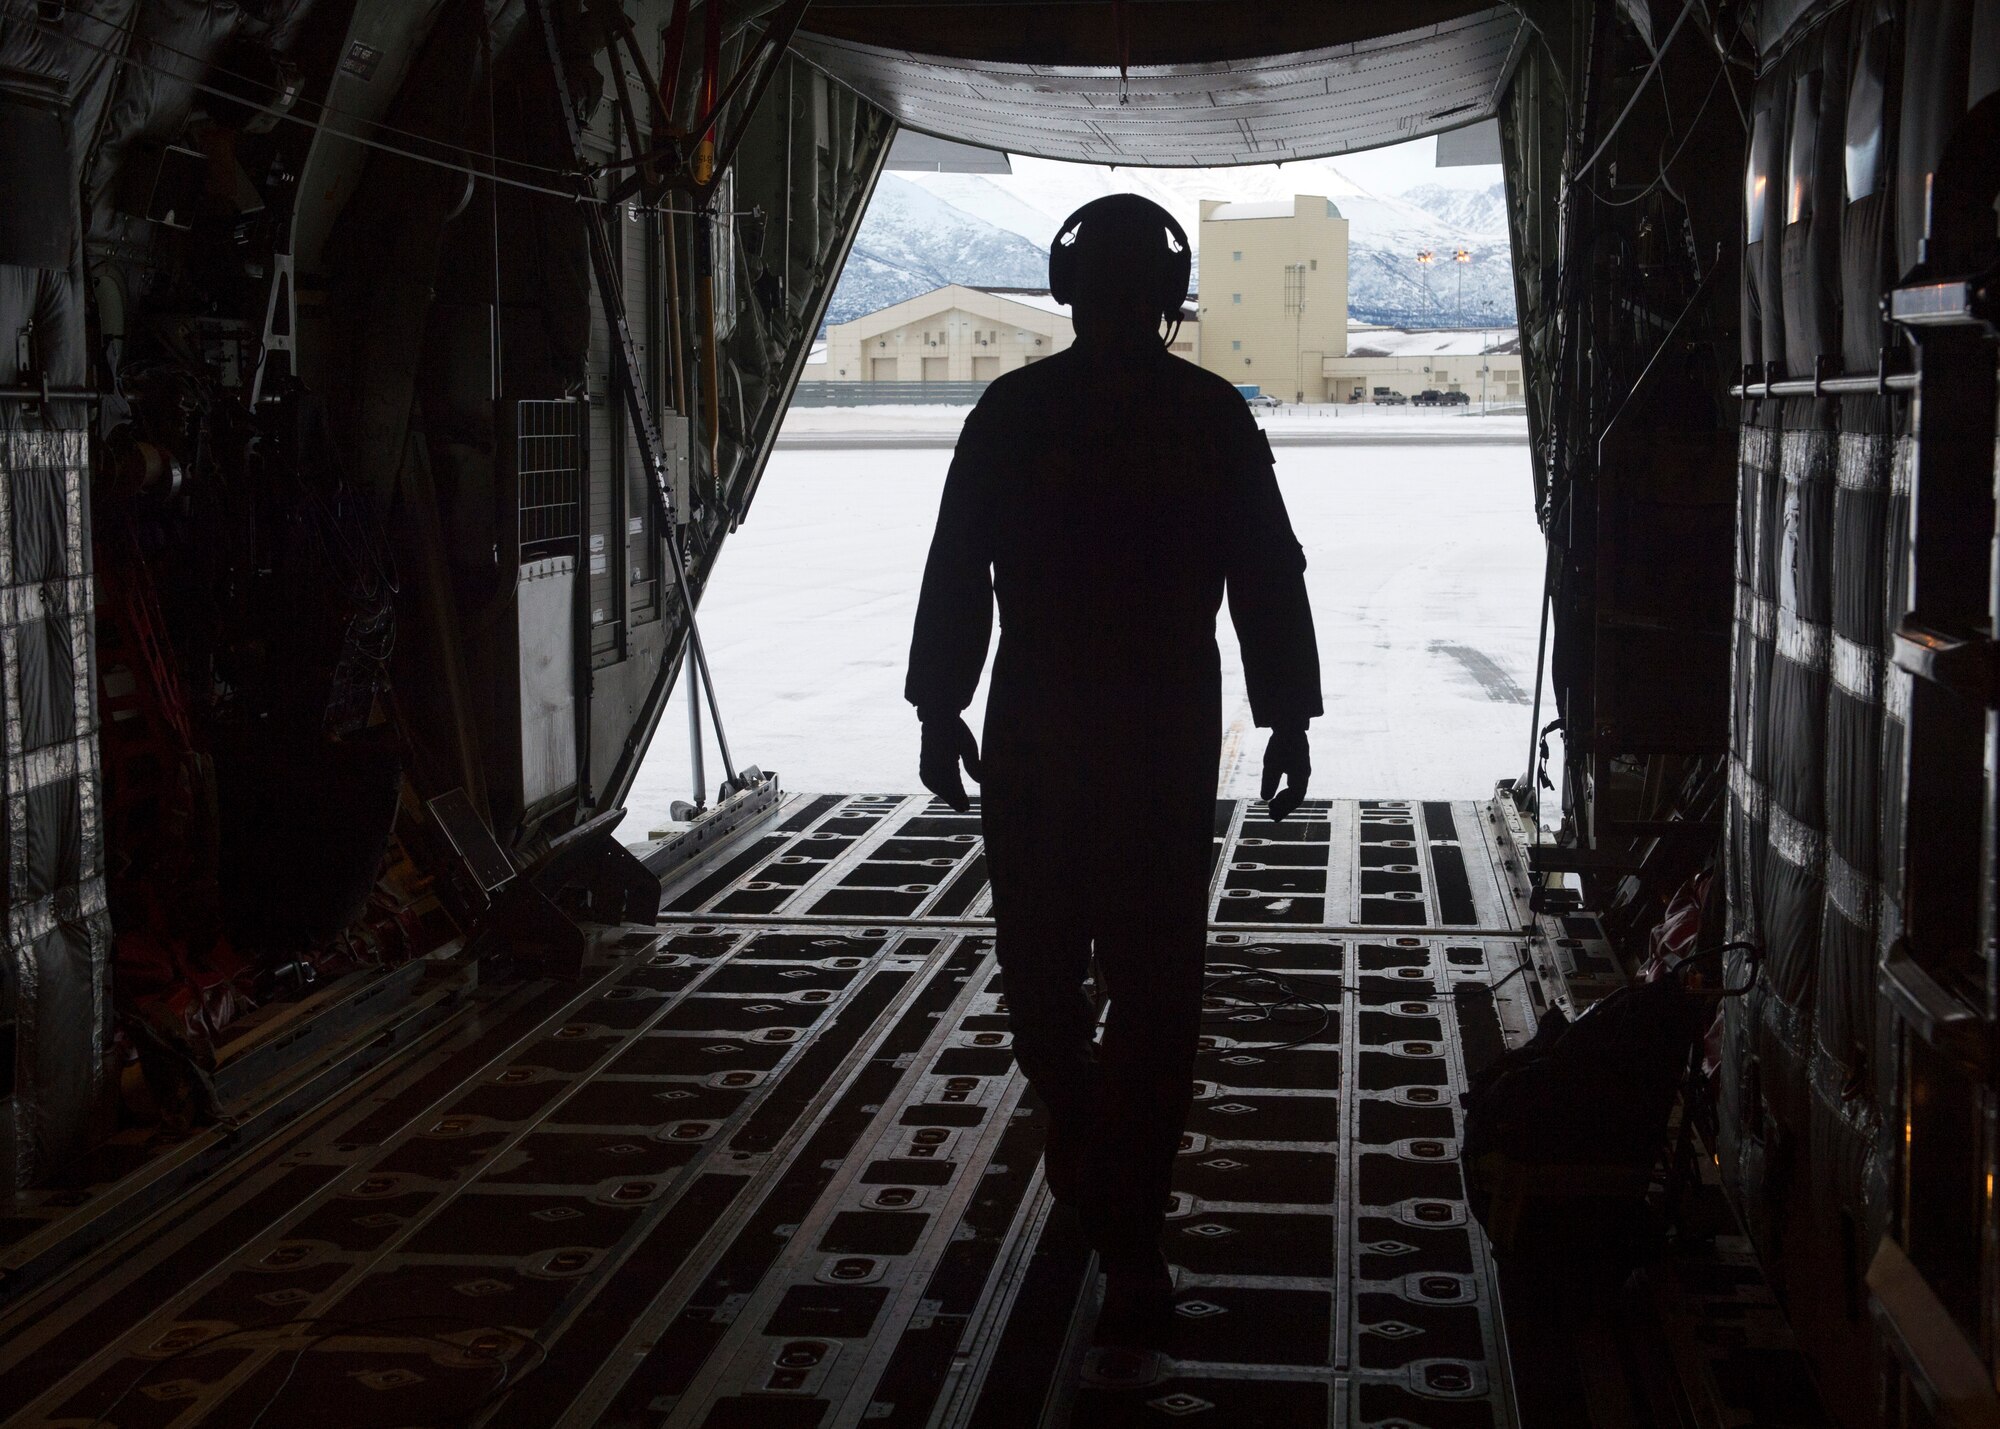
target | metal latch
x=1964, y=663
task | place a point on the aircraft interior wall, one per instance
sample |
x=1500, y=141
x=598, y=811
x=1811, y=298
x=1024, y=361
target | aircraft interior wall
x=1850, y=113
x=1846, y=112
x=349, y=500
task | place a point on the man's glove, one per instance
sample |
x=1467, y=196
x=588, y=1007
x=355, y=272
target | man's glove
x=947, y=741
x=1287, y=756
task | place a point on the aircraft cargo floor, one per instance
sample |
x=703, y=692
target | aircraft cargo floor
x=770, y=1164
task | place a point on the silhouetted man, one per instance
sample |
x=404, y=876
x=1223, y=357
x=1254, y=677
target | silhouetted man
x=1108, y=495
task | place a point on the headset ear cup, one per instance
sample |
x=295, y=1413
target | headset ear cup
x=1177, y=270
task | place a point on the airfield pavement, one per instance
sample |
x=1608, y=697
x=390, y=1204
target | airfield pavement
x=1423, y=561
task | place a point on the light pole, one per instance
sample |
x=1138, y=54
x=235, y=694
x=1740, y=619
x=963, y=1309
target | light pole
x=1425, y=257
x=1460, y=259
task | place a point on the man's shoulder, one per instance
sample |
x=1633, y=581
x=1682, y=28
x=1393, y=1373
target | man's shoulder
x=1201, y=385
x=1019, y=395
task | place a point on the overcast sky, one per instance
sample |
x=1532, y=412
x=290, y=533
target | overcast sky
x=1401, y=167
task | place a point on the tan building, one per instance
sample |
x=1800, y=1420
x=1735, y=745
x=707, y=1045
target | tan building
x=952, y=334
x=1485, y=366
x=1273, y=293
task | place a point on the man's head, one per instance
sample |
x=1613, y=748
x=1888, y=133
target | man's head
x=1120, y=262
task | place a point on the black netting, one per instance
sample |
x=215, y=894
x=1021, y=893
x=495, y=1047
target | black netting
x=1844, y=1020
x=1894, y=588
x=1793, y=767
x=1843, y=1005
x=1789, y=903
x=58, y=932
x=1854, y=777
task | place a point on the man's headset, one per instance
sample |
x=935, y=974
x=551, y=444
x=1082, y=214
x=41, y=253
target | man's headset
x=1137, y=234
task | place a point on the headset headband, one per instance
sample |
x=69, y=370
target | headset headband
x=1136, y=231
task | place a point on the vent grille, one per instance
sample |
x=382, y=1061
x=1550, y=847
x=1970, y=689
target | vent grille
x=549, y=464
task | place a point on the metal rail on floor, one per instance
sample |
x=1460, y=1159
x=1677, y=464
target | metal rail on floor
x=834, y=920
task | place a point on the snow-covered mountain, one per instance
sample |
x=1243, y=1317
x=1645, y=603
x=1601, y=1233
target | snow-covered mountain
x=1474, y=210
x=912, y=241
x=922, y=230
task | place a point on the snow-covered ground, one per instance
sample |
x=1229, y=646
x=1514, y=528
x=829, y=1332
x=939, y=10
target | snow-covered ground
x=1424, y=564
x=1359, y=422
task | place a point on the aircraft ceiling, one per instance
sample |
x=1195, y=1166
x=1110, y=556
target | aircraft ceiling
x=993, y=75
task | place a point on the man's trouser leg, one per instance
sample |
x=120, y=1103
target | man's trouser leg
x=1043, y=962
x=1043, y=945
x=1151, y=961
x=1119, y=855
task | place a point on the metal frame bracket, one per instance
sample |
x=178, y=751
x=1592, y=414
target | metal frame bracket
x=1958, y=302
x=1966, y=664
x=1929, y=1009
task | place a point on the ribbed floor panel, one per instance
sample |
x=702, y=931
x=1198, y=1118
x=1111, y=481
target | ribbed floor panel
x=770, y=1164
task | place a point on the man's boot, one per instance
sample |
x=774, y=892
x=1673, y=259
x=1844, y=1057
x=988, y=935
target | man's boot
x=1138, y=1303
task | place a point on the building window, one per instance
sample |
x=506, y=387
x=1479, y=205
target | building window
x=1235, y=346
x=1236, y=298
x=1313, y=263
x=1237, y=256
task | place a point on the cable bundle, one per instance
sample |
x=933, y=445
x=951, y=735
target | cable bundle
x=1278, y=1002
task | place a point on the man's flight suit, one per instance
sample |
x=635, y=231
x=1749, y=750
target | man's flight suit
x=1107, y=496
